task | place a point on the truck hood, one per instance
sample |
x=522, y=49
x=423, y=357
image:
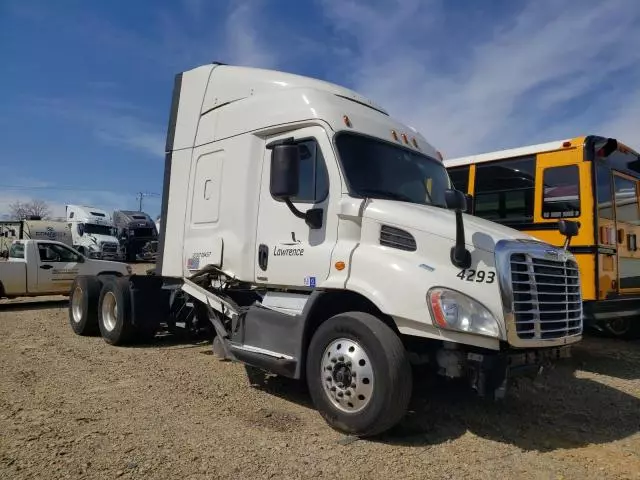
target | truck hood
x=479, y=233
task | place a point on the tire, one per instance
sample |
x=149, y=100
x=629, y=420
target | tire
x=624, y=328
x=114, y=311
x=375, y=404
x=83, y=305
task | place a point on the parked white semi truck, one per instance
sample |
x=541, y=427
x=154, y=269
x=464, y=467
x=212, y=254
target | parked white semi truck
x=93, y=232
x=323, y=241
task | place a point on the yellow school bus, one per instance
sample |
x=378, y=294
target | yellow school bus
x=592, y=180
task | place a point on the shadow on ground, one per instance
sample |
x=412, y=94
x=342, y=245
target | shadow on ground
x=33, y=305
x=556, y=411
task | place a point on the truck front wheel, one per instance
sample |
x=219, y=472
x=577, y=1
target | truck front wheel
x=358, y=374
x=114, y=311
x=83, y=305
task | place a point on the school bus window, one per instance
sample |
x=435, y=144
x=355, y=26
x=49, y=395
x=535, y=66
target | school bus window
x=603, y=192
x=626, y=201
x=561, y=192
x=460, y=178
x=504, y=190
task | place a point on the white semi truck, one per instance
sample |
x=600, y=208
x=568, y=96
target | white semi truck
x=93, y=232
x=323, y=241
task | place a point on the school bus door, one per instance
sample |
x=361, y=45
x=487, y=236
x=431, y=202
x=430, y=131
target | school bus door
x=627, y=224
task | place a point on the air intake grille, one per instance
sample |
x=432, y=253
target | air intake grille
x=396, y=238
x=546, y=297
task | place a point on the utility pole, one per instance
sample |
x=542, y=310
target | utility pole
x=141, y=195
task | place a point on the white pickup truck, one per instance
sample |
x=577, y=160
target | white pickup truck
x=39, y=267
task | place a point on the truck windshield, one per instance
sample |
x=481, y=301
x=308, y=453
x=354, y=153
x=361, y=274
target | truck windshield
x=377, y=169
x=91, y=228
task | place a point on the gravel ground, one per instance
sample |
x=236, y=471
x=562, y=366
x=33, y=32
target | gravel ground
x=73, y=407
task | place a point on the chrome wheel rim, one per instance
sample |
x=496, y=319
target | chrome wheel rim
x=76, y=304
x=109, y=311
x=347, y=375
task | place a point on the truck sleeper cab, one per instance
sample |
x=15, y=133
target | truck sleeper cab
x=93, y=232
x=322, y=240
x=591, y=180
x=136, y=230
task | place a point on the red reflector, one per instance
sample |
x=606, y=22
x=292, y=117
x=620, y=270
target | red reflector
x=566, y=144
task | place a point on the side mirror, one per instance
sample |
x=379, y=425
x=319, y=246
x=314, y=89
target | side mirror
x=285, y=170
x=455, y=200
x=568, y=228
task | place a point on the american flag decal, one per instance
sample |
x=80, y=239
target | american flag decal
x=193, y=263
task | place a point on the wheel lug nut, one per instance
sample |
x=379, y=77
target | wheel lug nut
x=329, y=367
x=329, y=378
x=333, y=388
x=353, y=385
x=333, y=360
x=348, y=363
x=340, y=385
x=348, y=392
x=341, y=358
x=340, y=394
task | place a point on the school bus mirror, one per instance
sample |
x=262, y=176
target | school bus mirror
x=568, y=228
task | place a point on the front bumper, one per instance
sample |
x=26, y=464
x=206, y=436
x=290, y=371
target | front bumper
x=489, y=372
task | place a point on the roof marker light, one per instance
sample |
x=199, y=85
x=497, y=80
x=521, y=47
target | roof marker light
x=566, y=144
x=439, y=155
x=394, y=134
x=405, y=139
x=346, y=121
x=415, y=143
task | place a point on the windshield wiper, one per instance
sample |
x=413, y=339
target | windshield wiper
x=384, y=193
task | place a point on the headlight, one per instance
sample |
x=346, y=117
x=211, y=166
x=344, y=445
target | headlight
x=453, y=310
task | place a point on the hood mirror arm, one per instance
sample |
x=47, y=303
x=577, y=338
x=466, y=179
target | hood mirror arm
x=460, y=256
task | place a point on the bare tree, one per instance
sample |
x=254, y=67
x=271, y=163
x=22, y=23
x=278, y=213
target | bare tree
x=24, y=210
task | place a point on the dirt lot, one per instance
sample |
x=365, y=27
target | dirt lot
x=73, y=407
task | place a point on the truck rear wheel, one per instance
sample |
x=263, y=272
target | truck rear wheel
x=358, y=374
x=114, y=311
x=83, y=305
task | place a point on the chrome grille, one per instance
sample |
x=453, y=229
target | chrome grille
x=546, y=297
x=109, y=248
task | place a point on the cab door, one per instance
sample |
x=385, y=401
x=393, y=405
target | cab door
x=288, y=251
x=57, y=268
x=627, y=224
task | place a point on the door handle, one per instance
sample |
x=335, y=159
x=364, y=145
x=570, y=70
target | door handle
x=263, y=257
x=46, y=267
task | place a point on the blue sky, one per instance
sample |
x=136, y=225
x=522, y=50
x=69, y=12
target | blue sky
x=85, y=86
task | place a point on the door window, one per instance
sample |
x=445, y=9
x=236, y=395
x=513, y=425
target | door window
x=603, y=192
x=626, y=200
x=56, y=253
x=313, y=179
x=561, y=192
